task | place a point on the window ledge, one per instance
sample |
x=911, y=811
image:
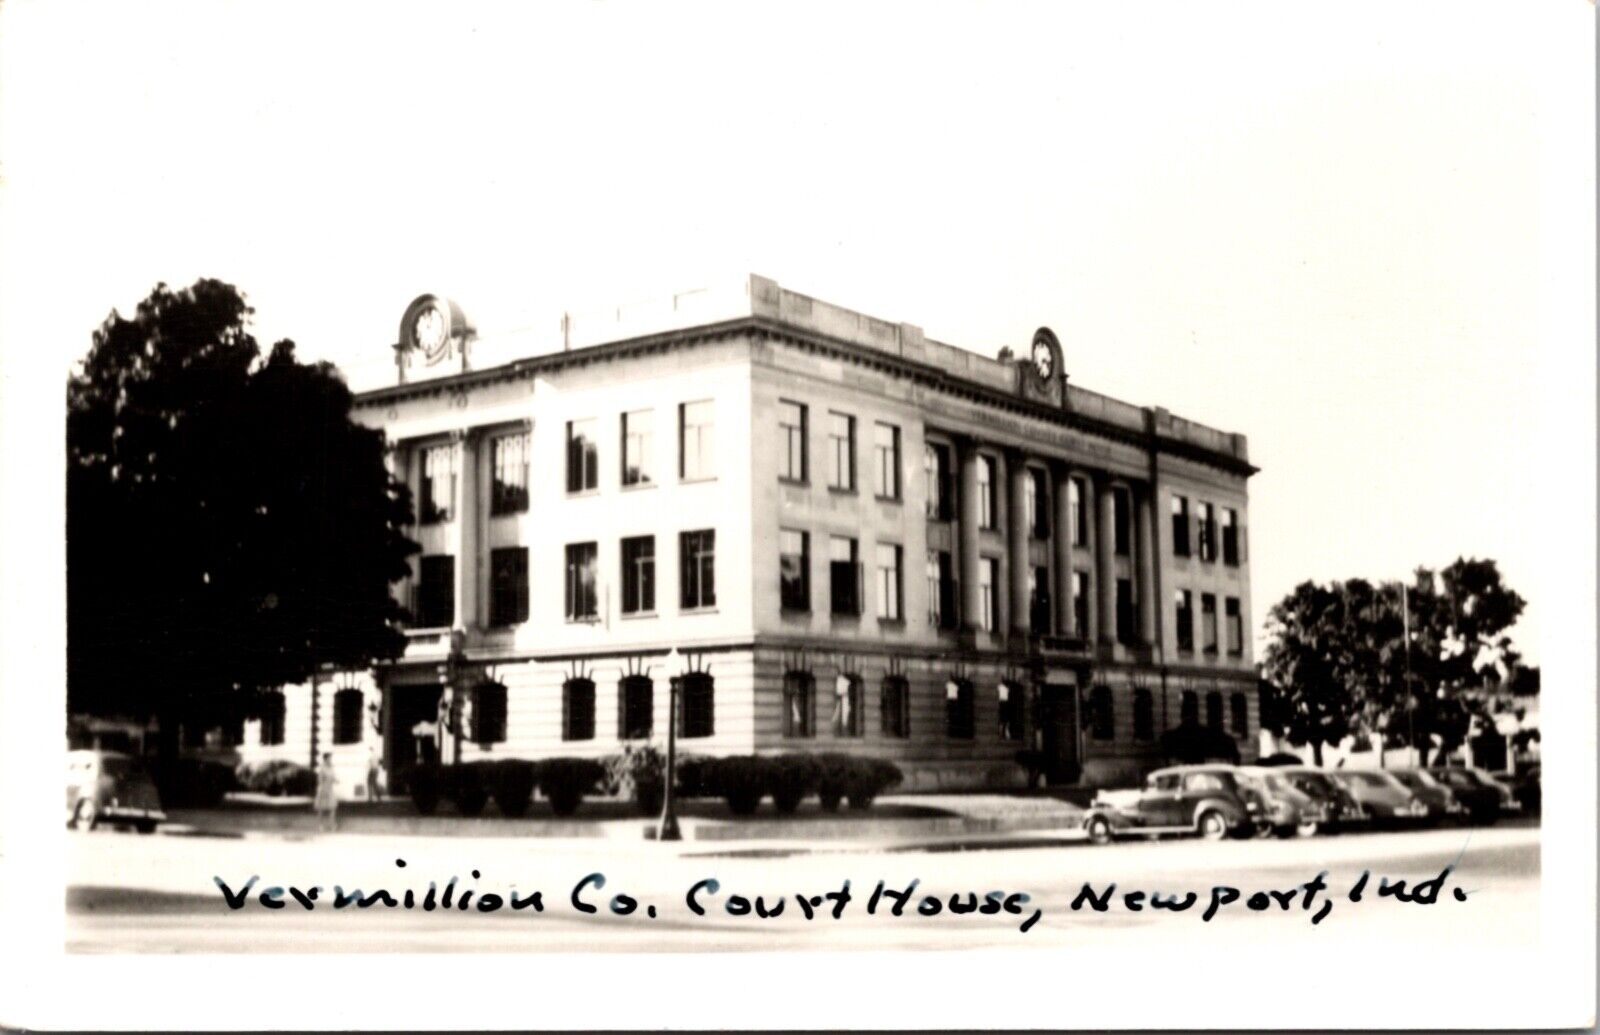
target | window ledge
x=509, y=512
x=697, y=481
x=799, y=483
x=711, y=610
x=892, y=623
x=889, y=499
x=839, y=490
x=634, y=487
x=580, y=493
x=795, y=612
x=586, y=620
x=628, y=616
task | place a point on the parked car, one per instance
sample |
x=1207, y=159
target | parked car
x=1344, y=811
x=1387, y=800
x=1441, y=801
x=1209, y=800
x=1286, y=809
x=1486, y=800
x=109, y=787
x=1526, y=788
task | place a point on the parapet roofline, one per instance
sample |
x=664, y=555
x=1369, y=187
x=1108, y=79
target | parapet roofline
x=764, y=306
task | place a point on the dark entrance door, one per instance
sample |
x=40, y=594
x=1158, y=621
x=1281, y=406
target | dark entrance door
x=408, y=705
x=1058, y=724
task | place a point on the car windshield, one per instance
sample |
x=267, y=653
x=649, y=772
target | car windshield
x=1315, y=781
x=1456, y=778
x=1417, y=778
x=1371, y=779
x=113, y=765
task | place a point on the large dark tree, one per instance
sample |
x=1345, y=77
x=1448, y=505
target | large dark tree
x=1313, y=700
x=229, y=527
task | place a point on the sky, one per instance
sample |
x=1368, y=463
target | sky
x=1339, y=229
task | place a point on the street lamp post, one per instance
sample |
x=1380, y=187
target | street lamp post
x=668, y=830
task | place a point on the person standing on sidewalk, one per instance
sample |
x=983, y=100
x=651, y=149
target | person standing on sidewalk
x=327, y=803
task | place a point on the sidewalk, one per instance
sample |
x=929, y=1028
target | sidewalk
x=893, y=817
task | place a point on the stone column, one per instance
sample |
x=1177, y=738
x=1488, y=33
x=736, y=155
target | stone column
x=1145, y=529
x=971, y=594
x=1105, y=569
x=464, y=528
x=1063, y=553
x=1017, y=542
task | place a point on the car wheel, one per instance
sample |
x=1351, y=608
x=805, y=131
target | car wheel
x=1213, y=825
x=1306, y=829
x=1099, y=830
x=86, y=815
x=145, y=826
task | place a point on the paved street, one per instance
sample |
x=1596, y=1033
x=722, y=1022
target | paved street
x=157, y=894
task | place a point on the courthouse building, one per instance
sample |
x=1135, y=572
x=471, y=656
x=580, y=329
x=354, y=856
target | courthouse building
x=838, y=533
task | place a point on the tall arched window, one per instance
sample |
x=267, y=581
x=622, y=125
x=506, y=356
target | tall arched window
x=697, y=705
x=577, y=709
x=847, y=718
x=959, y=721
x=635, y=707
x=1241, y=715
x=1144, y=715
x=1189, y=709
x=1011, y=704
x=1214, y=710
x=270, y=730
x=799, y=706
x=896, y=707
x=347, y=716
x=489, y=713
x=1102, y=719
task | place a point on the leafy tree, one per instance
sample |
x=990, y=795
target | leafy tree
x=230, y=528
x=1307, y=663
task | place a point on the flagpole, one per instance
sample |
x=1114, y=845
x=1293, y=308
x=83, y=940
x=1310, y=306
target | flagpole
x=1411, y=719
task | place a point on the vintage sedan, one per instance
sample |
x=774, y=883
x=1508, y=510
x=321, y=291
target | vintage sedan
x=1209, y=800
x=1388, y=800
x=1441, y=801
x=1285, y=808
x=1344, y=811
x=1485, y=798
x=111, y=788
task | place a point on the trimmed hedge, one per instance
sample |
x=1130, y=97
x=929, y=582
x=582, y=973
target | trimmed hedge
x=566, y=781
x=793, y=778
x=742, y=781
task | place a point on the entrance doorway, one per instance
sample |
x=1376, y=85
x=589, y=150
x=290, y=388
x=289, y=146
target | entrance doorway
x=1058, y=724
x=409, y=705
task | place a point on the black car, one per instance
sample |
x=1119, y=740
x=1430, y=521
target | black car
x=1344, y=811
x=1484, y=799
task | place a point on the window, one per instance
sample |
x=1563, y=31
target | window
x=1180, y=526
x=1189, y=709
x=697, y=701
x=697, y=561
x=989, y=593
x=1240, y=708
x=1144, y=715
x=1208, y=532
x=889, y=583
x=1235, y=625
x=438, y=484
x=1102, y=721
x=270, y=731
x=986, y=500
x=794, y=569
x=841, y=452
x=847, y=719
x=1185, y=606
x=1230, y=537
x=577, y=709
x=1208, y=623
x=843, y=577
x=1080, y=604
x=697, y=440
x=436, y=591
x=799, y=692
x=347, y=716
x=638, y=447
x=941, y=590
x=936, y=466
x=886, y=460
x=1039, y=599
x=508, y=585
x=1203, y=782
x=791, y=441
x=1127, y=617
x=959, y=718
x=508, y=456
x=1121, y=522
x=489, y=713
x=639, y=575
x=583, y=456
x=1077, y=514
x=1011, y=706
x=895, y=705
x=581, y=603
x=1214, y=710
x=1038, y=504
x=635, y=707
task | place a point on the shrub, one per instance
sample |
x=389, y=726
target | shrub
x=565, y=782
x=833, y=778
x=425, y=786
x=696, y=777
x=469, y=787
x=639, y=774
x=742, y=781
x=870, y=778
x=514, y=780
x=793, y=777
x=277, y=777
x=192, y=782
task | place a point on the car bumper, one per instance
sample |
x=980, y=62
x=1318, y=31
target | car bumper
x=131, y=814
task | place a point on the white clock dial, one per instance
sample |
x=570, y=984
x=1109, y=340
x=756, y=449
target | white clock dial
x=429, y=329
x=1043, y=359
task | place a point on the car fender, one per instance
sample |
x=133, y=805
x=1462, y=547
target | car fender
x=1229, y=809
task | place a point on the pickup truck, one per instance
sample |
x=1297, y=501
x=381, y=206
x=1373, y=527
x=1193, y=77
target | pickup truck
x=1209, y=800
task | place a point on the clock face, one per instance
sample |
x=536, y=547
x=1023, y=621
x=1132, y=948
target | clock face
x=429, y=329
x=1043, y=359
